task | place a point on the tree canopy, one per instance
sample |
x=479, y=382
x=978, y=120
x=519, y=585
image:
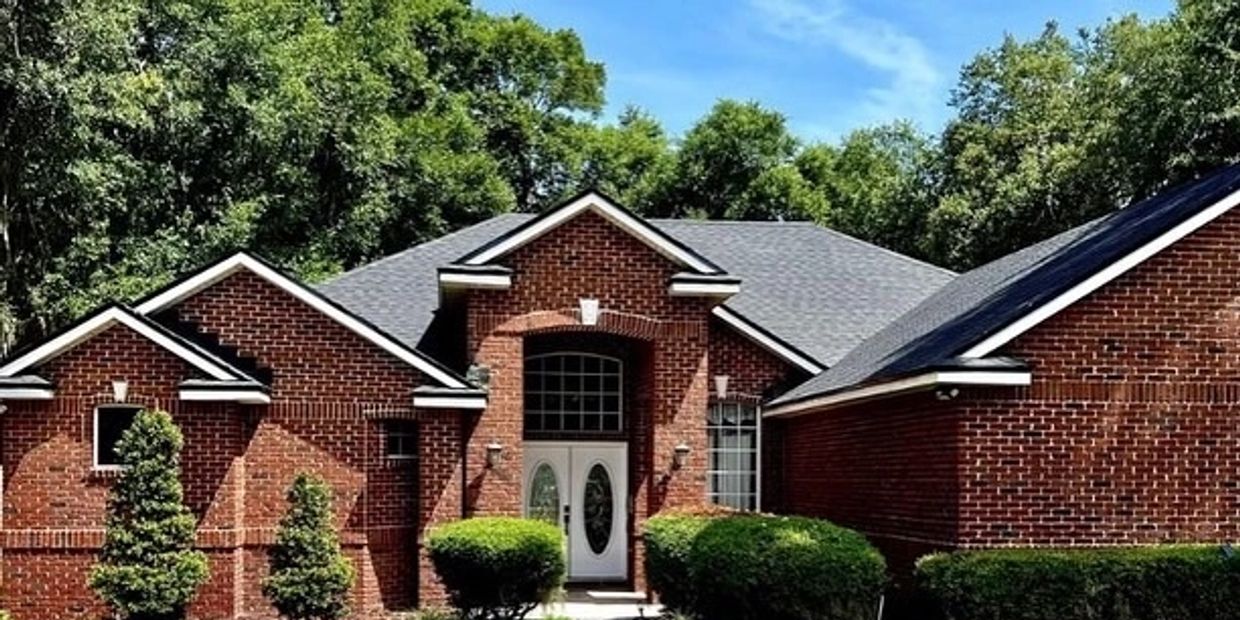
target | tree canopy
x=140, y=138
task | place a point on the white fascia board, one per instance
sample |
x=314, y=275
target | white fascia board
x=449, y=402
x=766, y=342
x=245, y=397
x=491, y=281
x=1098, y=280
x=900, y=386
x=227, y=267
x=642, y=230
x=694, y=289
x=27, y=393
x=102, y=321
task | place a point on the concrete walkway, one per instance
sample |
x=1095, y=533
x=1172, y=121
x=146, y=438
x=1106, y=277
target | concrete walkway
x=599, y=605
x=597, y=611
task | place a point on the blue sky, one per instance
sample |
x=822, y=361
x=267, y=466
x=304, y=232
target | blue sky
x=828, y=65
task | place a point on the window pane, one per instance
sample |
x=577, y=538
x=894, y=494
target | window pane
x=112, y=423
x=732, y=454
x=572, y=392
x=401, y=440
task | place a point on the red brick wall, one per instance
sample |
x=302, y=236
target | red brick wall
x=331, y=393
x=1131, y=430
x=590, y=257
x=888, y=469
x=1129, y=433
x=53, y=505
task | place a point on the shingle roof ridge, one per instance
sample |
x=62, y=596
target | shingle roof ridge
x=424, y=245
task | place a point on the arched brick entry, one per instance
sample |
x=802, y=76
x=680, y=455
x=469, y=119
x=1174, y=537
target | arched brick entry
x=673, y=404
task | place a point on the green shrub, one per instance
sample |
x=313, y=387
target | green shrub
x=498, y=567
x=751, y=567
x=1138, y=583
x=148, y=569
x=310, y=576
x=669, y=539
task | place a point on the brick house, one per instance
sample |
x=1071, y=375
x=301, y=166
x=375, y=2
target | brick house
x=592, y=368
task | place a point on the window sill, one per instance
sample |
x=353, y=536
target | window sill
x=106, y=471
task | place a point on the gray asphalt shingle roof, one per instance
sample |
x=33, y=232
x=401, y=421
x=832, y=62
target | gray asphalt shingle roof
x=818, y=290
x=982, y=301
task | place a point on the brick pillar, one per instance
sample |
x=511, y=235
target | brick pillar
x=439, y=489
x=497, y=491
x=678, y=415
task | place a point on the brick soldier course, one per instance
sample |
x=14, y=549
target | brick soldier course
x=1110, y=420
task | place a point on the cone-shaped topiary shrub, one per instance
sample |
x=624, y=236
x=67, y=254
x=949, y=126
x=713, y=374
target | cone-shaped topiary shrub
x=498, y=568
x=310, y=576
x=148, y=569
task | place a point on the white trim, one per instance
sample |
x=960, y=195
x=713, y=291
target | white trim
x=594, y=202
x=245, y=397
x=27, y=393
x=1096, y=281
x=493, y=281
x=686, y=289
x=909, y=384
x=102, y=321
x=450, y=402
x=227, y=267
x=770, y=344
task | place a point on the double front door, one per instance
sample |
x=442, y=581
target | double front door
x=583, y=489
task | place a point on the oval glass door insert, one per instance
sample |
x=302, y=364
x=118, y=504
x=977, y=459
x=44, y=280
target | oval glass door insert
x=543, y=503
x=598, y=509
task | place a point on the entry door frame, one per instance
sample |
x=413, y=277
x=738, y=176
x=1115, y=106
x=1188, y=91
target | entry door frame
x=572, y=461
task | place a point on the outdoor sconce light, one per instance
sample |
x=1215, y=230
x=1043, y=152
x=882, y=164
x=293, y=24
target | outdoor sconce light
x=680, y=454
x=120, y=391
x=589, y=311
x=494, y=452
x=721, y=386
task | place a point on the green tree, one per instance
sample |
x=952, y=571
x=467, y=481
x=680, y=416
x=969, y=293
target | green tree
x=310, y=576
x=737, y=163
x=632, y=160
x=147, y=569
x=878, y=184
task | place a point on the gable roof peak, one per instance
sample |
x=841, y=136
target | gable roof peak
x=599, y=203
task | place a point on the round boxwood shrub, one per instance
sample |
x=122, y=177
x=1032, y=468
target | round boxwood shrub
x=1133, y=583
x=751, y=567
x=498, y=567
x=669, y=539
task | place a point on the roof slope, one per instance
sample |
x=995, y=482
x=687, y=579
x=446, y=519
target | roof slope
x=988, y=298
x=818, y=290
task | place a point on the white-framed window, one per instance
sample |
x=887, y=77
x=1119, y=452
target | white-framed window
x=111, y=421
x=400, y=439
x=734, y=446
x=573, y=392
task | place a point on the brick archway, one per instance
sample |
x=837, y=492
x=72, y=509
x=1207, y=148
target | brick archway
x=636, y=326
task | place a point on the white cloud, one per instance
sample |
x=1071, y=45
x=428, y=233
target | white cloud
x=911, y=90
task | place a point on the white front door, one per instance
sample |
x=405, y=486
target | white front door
x=583, y=489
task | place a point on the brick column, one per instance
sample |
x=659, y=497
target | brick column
x=497, y=491
x=439, y=490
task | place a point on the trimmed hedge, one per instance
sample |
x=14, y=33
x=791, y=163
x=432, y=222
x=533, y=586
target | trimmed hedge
x=1137, y=583
x=750, y=567
x=498, y=567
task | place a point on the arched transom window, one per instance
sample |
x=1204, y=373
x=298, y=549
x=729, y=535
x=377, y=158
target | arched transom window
x=574, y=392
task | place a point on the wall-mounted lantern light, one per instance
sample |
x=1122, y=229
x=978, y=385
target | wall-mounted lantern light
x=721, y=387
x=494, y=452
x=120, y=391
x=680, y=454
x=589, y=311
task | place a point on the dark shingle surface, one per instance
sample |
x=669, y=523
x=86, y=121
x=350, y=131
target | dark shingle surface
x=820, y=291
x=984, y=300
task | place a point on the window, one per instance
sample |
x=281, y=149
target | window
x=401, y=439
x=733, y=453
x=110, y=423
x=574, y=392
